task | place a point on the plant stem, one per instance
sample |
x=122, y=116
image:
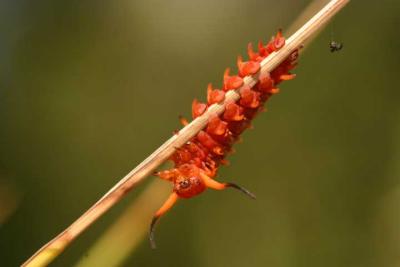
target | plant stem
x=53, y=248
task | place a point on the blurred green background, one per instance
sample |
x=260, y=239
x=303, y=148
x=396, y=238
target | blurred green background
x=89, y=88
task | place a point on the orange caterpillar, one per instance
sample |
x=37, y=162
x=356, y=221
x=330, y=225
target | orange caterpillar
x=197, y=162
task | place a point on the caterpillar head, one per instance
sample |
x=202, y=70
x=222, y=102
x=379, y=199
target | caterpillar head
x=188, y=181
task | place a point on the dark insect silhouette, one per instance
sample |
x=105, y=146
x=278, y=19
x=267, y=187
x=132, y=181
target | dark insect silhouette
x=335, y=46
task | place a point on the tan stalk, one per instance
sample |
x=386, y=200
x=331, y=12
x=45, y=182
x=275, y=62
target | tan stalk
x=127, y=232
x=53, y=248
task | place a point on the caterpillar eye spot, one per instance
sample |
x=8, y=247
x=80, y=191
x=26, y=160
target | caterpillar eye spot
x=184, y=184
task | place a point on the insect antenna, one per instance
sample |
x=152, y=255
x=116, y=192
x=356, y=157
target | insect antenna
x=241, y=189
x=211, y=183
x=151, y=234
x=164, y=208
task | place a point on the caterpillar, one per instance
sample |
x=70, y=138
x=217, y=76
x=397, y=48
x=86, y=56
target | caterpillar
x=196, y=163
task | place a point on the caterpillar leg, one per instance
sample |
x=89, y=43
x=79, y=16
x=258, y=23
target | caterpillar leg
x=164, y=208
x=211, y=183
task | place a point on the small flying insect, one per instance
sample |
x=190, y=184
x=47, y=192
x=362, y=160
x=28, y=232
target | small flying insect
x=335, y=46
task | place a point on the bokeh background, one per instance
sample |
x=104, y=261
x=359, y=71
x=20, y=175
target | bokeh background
x=89, y=88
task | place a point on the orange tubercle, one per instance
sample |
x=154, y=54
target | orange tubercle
x=248, y=67
x=231, y=82
x=198, y=108
x=216, y=126
x=233, y=112
x=214, y=95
